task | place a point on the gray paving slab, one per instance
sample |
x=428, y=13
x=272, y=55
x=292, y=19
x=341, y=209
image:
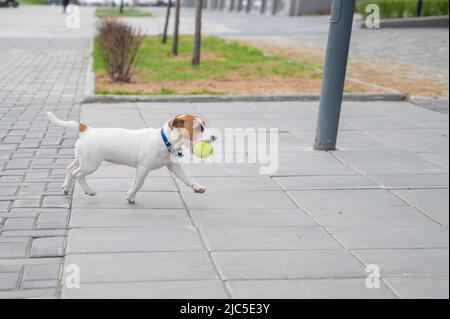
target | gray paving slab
x=147, y=200
x=273, y=238
x=251, y=183
x=100, y=240
x=370, y=216
x=122, y=185
x=216, y=218
x=420, y=287
x=141, y=267
x=123, y=218
x=287, y=264
x=326, y=182
x=335, y=200
x=307, y=289
x=9, y=281
x=379, y=236
x=396, y=162
x=413, y=181
x=401, y=262
x=204, y=289
x=237, y=199
x=432, y=202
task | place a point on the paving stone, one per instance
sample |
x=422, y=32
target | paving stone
x=39, y=284
x=217, y=218
x=97, y=240
x=47, y=247
x=238, y=200
x=37, y=233
x=407, y=261
x=413, y=181
x=281, y=238
x=128, y=267
x=4, y=206
x=370, y=217
x=316, y=200
x=307, y=289
x=420, y=287
x=41, y=272
x=205, y=289
x=152, y=184
x=149, y=200
x=216, y=184
x=378, y=237
x=27, y=203
x=108, y=218
x=287, y=264
x=326, y=182
x=13, y=250
x=8, y=281
x=19, y=223
x=432, y=202
x=32, y=293
x=56, y=201
x=52, y=221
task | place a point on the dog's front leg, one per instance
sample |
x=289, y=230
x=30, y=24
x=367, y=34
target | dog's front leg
x=139, y=180
x=179, y=172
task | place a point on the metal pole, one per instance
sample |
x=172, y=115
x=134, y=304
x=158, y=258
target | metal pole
x=275, y=7
x=419, y=8
x=249, y=6
x=341, y=23
x=263, y=6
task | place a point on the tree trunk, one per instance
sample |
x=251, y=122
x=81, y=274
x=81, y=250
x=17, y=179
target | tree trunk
x=198, y=34
x=166, y=25
x=177, y=28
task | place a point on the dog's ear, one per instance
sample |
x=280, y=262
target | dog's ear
x=176, y=123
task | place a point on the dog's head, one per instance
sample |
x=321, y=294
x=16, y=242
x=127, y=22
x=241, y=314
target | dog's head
x=190, y=128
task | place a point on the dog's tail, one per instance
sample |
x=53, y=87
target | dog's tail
x=67, y=124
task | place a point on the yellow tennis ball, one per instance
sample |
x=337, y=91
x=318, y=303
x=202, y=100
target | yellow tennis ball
x=203, y=149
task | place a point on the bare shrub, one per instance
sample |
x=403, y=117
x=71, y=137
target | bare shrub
x=118, y=44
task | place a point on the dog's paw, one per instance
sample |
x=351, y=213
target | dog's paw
x=131, y=200
x=92, y=194
x=199, y=189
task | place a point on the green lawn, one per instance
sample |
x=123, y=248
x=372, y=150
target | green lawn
x=158, y=72
x=33, y=1
x=127, y=12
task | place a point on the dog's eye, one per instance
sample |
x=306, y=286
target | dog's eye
x=202, y=128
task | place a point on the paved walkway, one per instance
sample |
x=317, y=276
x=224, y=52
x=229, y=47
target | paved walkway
x=309, y=230
x=37, y=73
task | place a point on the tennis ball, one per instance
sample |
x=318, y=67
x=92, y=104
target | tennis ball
x=203, y=149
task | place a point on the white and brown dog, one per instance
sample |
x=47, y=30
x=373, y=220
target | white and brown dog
x=145, y=149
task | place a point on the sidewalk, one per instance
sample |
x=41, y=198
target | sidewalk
x=43, y=69
x=309, y=231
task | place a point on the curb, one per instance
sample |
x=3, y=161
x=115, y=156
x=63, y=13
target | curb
x=422, y=22
x=352, y=97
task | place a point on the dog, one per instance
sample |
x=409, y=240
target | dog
x=145, y=149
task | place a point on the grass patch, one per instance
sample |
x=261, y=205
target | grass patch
x=406, y=8
x=33, y=2
x=127, y=12
x=224, y=63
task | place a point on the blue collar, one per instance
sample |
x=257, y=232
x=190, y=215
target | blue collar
x=172, y=150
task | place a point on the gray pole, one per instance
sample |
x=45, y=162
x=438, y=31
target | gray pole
x=263, y=6
x=249, y=6
x=341, y=23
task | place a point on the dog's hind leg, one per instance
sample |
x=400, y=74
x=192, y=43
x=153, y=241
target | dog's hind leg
x=68, y=182
x=80, y=175
x=139, y=180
